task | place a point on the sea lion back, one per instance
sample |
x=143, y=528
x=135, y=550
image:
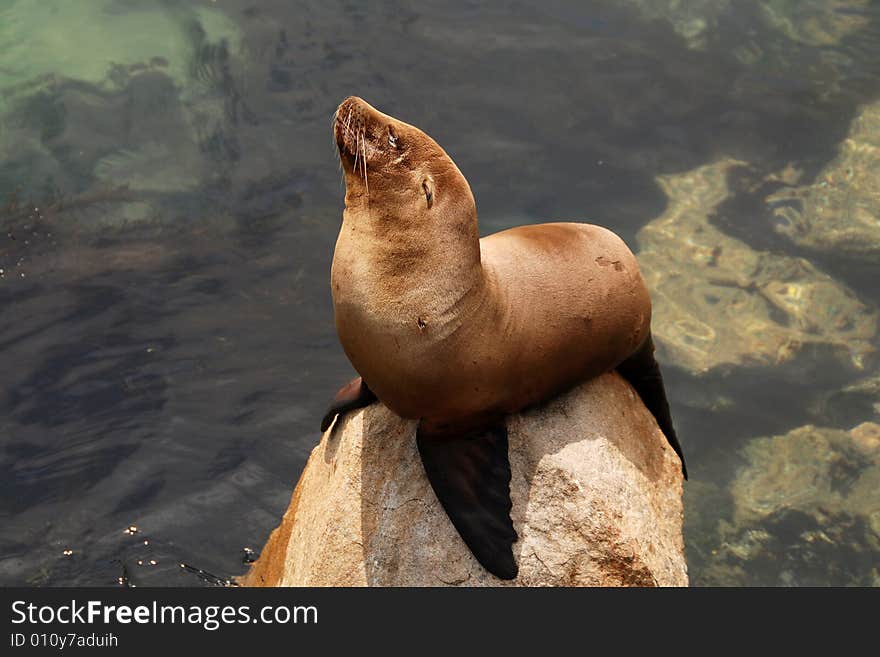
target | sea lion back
x=575, y=304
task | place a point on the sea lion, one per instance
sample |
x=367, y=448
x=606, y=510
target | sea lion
x=457, y=331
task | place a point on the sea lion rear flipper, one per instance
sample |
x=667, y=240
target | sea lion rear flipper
x=352, y=396
x=470, y=474
x=643, y=373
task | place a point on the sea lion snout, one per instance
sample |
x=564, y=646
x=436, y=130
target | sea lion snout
x=361, y=130
x=349, y=125
x=365, y=136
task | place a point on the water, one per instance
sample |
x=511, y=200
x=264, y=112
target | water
x=169, y=200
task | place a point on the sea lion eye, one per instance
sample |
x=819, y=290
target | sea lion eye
x=392, y=137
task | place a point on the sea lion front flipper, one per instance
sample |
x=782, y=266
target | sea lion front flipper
x=642, y=371
x=470, y=474
x=352, y=396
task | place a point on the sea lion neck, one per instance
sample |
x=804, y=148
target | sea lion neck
x=421, y=267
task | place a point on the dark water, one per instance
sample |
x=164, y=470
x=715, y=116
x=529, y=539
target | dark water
x=169, y=205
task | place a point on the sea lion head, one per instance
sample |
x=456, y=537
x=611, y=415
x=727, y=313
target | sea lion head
x=394, y=168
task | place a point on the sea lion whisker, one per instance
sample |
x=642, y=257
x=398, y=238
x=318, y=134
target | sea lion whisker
x=366, y=180
x=347, y=122
x=357, y=150
x=335, y=143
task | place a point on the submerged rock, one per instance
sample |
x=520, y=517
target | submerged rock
x=811, y=468
x=596, y=494
x=808, y=22
x=793, y=548
x=839, y=212
x=719, y=302
x=859, y=399
x=67, y=138
x=99, y=34
x=126, y=95
x=806, y=511
x=693, y=20
x=816, y=22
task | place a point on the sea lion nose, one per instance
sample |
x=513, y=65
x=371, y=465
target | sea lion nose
x=354, y=124
x=347, y=123
x=358, y=106
x=348, y=104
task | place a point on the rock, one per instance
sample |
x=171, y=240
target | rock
x=694, y=20
x=839, y=212
x=805, y=511
x=808, y=22
x=808, y=469
x=596, y=493
x=859, y=399
x=115, y=36
x=719, y=302
x=816, y=22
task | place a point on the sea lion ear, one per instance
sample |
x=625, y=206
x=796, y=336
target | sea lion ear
x=428, y=188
